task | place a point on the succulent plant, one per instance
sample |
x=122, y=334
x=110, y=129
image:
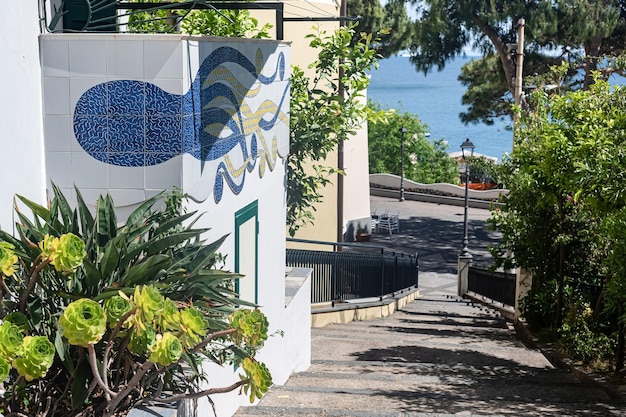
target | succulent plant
x=11, y=340
x=166, y=350
x=141, y=340
x=8, y=259
x=5, y=367
x=169, y=318
x=35, y=357
x=149, y=301
x=65, y=253
x=115, y=307
x=252, y=326
x=193, y=325
x=83, y=321
x=69, y=253
x=259, y=377
x=48, y=246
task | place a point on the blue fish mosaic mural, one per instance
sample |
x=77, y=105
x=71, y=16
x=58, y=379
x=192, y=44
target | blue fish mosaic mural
x=135, y=123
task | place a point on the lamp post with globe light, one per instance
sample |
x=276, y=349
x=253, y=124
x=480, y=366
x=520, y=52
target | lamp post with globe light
x=467, y=150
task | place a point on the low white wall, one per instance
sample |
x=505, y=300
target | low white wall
x=393, y=181
x=297, y=312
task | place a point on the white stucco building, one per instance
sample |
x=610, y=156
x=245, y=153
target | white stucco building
x=131, y=115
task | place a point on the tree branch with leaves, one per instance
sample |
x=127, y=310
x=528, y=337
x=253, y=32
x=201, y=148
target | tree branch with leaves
x=325, y=109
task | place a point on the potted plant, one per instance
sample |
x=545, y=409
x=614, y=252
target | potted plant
x=362, y=234
x=97, y=318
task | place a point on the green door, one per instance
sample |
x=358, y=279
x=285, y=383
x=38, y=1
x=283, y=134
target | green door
x=246, y=251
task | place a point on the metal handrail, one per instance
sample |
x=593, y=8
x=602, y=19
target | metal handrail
x=340, y=276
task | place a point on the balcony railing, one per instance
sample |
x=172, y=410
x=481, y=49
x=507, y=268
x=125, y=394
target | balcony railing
x=358, y=271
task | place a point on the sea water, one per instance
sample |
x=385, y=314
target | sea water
x=436, y=100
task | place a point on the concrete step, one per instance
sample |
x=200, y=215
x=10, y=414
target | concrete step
x=439, y=356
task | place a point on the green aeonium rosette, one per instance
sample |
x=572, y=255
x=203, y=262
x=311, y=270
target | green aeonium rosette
x=11, y=340
x=8, y=259
x=166, y=350
x=83, y=321
x=194, y=326
x=259, y=378
x=5, y=367
x=169, y=319
x=149, y=302
x=115, y=307
x=69, y=253
x=48, y=246
x=141, y=340
x=35, y=357
x=251, y=325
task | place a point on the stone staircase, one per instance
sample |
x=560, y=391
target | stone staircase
x=438, y=356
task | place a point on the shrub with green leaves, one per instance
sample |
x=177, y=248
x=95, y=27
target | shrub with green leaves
x=98, y=317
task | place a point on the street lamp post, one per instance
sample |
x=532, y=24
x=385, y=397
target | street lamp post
x=403, y=132
x=467, y=149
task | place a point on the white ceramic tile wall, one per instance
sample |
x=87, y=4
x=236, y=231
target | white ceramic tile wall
x=191, y=63
x=162, y=59
x=171, y=65
x=56, y=95
x=58, y=132
x=57, y=168
x=88, y=172
x=88, y=58
x=55, y=57
x=125, y=59
x=127, y=197
x=126, y=177
x=165, y=175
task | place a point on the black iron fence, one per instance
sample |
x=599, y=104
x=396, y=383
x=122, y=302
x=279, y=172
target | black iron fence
x=498, y=286
x=353, y=273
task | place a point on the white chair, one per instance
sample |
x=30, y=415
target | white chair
x=390, y=223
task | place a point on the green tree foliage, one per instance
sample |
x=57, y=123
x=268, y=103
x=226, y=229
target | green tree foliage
x=564, y=215
x=424, y=161
x=580, y=31
x=225, y=23
x=390, y=20
x=325, y=109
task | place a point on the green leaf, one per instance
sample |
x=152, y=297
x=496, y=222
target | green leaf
x=68, y=215
x=80, y=384
x=171, y=241
x=106, y=221
x=93, y=277
x=140, y=212
x=148, y=270
x=84, y=214
x=169, y=224
x=37, y=209
x=110, y=258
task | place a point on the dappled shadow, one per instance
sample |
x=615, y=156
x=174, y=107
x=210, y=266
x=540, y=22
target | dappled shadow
x=461, y=380
x=439, y=242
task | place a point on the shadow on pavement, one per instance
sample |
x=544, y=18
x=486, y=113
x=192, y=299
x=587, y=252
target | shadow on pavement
x=439, y=242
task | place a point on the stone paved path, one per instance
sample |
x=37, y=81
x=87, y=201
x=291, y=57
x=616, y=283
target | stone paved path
x=439, y=356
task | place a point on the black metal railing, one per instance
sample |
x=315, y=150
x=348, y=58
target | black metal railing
x=498, y=286
x=358, y=271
